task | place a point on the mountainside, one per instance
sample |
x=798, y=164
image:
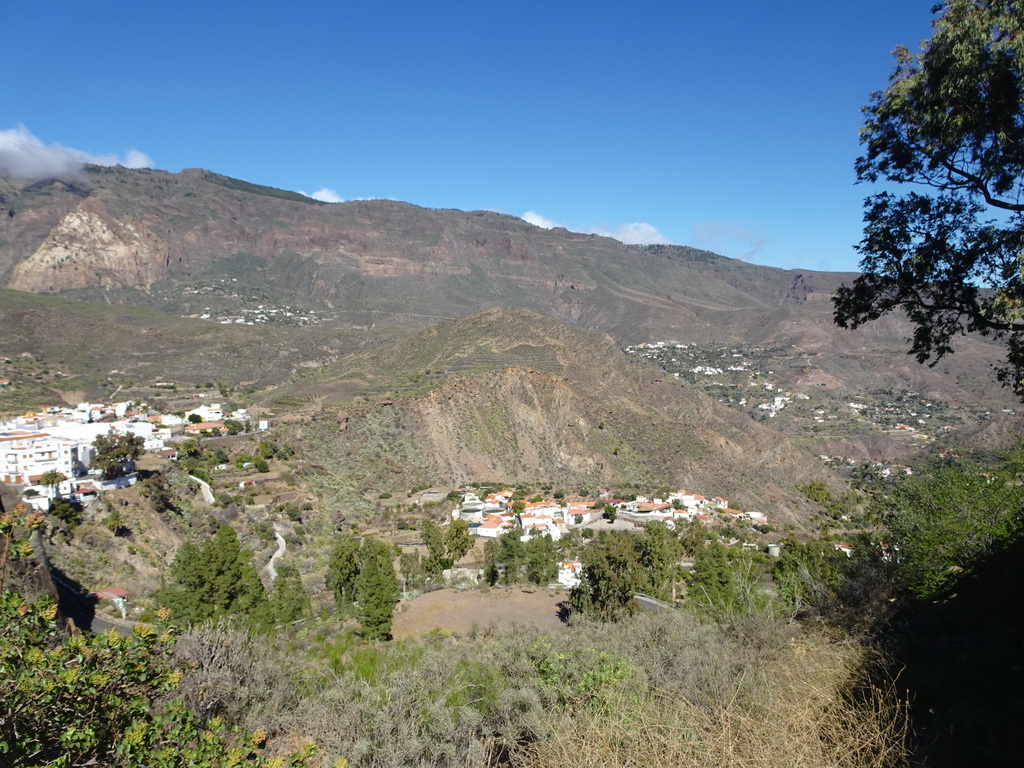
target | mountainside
x=474, y=400
x=200, y=244
x=92, y=348
x=355, y=274
x=150, y=237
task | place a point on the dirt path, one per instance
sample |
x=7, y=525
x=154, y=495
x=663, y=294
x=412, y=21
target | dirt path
x=282, y=547
x=205, y=488
x=459, y=610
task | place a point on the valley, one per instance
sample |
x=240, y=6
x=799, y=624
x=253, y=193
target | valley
x=504, y=426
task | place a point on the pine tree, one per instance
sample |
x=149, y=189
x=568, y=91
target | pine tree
x=343, y=569
x=218, y=579
x=288, y=602
x=711, y=585
x=376, y=590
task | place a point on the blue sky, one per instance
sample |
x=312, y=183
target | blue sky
x=729, y=126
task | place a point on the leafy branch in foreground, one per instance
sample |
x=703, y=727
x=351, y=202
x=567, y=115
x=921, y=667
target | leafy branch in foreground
x=73, y=699
x=951, y=122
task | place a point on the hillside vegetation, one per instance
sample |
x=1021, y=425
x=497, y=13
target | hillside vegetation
x=515, y=395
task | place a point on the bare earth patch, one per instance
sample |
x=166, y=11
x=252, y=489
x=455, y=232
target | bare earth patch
x=459, y=610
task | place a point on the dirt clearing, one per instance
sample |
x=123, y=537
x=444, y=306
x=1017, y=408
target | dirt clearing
x=459, y=610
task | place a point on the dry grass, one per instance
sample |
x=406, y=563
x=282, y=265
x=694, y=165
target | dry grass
x=660, y=690
x=804, y=717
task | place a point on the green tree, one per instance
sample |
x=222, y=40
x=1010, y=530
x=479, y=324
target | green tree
x=288, y=601
x=726, y=580
x=114, y=451
x=659, y=551
x=458, y=541
x=115, y=522
x=217, y=579
x=192, y=447
x=612, y=574
x=492, y=570
x=376, y=590
x=691, y=536
x=413, y=573
x=808, y=574
x=437, y=549
x=541, y=556
x=343, y=569
x=946, y=519
x=52, y=480
x=233, y=426
x=951, y=122
x=68, y=512
x=93, y=699
x=505, y=558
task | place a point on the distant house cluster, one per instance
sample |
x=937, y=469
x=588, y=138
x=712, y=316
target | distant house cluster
x=496, y=514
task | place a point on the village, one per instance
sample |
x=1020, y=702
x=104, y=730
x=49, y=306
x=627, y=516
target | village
x=769, y=382
x=59, y=442
x=49, y=455
x=498, y=514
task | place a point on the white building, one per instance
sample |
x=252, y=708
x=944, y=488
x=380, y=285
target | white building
x=212, y=412
x=26, y=456
x=570, y=573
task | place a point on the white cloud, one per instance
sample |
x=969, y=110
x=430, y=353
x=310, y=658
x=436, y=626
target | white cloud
x=135, y=159
x=634, y=233
x=24, y=156
x=739, y=241
x=325, y=195
x=532, y=217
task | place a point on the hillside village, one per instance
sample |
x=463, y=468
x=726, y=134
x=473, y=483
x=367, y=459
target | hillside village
x=769, y=381
x=789, y=389
x=497, y=515
x=60, y=439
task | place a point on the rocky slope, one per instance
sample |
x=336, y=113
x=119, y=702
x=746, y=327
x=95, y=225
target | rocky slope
x=515, y=396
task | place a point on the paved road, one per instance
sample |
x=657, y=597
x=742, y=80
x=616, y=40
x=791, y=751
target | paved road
x=77, y=606
x=649, y=603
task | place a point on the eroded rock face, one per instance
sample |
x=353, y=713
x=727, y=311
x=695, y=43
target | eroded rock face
x=89, y=248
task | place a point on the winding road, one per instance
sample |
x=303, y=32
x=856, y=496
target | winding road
x=282, y=546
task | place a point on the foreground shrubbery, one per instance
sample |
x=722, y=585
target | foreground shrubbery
x=668, y=688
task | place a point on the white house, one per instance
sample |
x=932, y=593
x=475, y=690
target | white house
x=570, y=573
x=538, y=525
x=208, y=413
x=493, y=526
x=26, y=456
